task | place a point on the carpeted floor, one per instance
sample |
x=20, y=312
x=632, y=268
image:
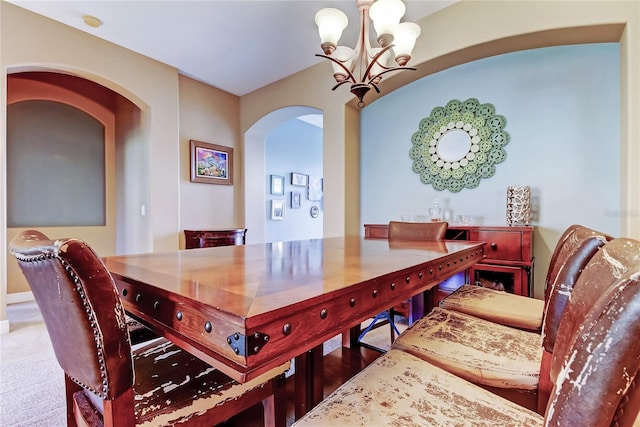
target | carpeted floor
x=32, y=382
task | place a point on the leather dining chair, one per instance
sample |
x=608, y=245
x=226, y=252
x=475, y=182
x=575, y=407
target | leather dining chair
x=107, y=382
x=138, y=333
x=525, y=312
x=415, y=231
x=573, y=250
x=502, y=359
x=596, y=382
x=405, y=232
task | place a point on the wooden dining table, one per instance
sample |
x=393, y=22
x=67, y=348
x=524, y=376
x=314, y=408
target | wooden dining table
x=247, y=309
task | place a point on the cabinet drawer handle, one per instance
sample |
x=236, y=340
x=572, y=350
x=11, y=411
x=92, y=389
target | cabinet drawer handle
x=494, y=245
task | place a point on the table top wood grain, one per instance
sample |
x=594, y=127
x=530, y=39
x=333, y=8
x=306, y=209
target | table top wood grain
x=248, y=308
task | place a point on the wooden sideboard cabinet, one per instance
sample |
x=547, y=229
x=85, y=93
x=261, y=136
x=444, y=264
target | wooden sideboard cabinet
x=210, y=238
x=508, y=258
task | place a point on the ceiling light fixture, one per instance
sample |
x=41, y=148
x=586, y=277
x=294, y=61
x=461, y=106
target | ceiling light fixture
x=91, y=21
x=370, y=63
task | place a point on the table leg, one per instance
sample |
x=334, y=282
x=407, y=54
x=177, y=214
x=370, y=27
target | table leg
x=416, y=307
x=309, y=380
x=354, y=333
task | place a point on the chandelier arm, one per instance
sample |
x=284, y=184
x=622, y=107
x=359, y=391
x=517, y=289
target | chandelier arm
x=374, y=60
x=340, y=84
x=351, y=77
x=388, y=70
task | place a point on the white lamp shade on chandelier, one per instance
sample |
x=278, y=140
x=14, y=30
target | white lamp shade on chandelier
x=345, y=56
x=386, y=15
x=404, y=41
x=331, y=23
x=370, y=63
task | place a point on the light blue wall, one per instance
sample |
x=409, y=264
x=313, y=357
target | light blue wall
x=562, y=110
x=295, y=146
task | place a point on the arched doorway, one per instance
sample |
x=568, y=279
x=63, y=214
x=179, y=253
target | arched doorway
x=255, y=168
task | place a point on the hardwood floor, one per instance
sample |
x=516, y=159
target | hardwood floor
x=339, y=365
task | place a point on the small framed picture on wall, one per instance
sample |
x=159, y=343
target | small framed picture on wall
x=315, y=188
x=277, y=185
x=277, y=210
x=299, y=179
x=295, y=200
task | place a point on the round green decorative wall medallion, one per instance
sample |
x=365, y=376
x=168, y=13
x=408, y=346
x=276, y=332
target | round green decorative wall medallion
x=458, y=145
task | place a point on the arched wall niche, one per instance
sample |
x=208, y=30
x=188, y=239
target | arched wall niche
x=126, y=149
x=25, y=87
x=94, y=86
x=88, y=89
x=616, y=31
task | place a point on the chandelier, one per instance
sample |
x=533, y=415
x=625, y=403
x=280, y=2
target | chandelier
x=367, y=62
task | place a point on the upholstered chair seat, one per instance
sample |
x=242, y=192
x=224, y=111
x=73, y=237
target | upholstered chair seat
x=171, y=385
x=475, y=349
x=496, y=306
x=528, y=313
x=399, y=389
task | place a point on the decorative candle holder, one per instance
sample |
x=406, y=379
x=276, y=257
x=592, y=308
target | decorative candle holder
x=518, y=205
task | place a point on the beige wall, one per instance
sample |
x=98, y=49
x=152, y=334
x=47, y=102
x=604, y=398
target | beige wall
x=209, y=115
x=169, y=117
x=31, y=42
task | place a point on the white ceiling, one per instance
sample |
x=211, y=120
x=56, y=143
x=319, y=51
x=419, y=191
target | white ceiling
x=237, y=46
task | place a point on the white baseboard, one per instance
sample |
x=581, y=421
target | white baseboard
x=14, y=298
x=4, y=327
x=19, y=297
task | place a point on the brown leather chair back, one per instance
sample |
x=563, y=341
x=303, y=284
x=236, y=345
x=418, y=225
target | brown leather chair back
x=554, y=263
x=574, y=249
x=610, y=263
x=597, y=386
x=406, y=231
x=81, y=310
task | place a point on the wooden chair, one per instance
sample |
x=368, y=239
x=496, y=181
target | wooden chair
x=404, y=232
x=414, y=231
x=524, y=312
x=505, y=360
x=106, y=382
x=417, y=231
x=574, y=249
x=138, y=333
x=595, y=385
